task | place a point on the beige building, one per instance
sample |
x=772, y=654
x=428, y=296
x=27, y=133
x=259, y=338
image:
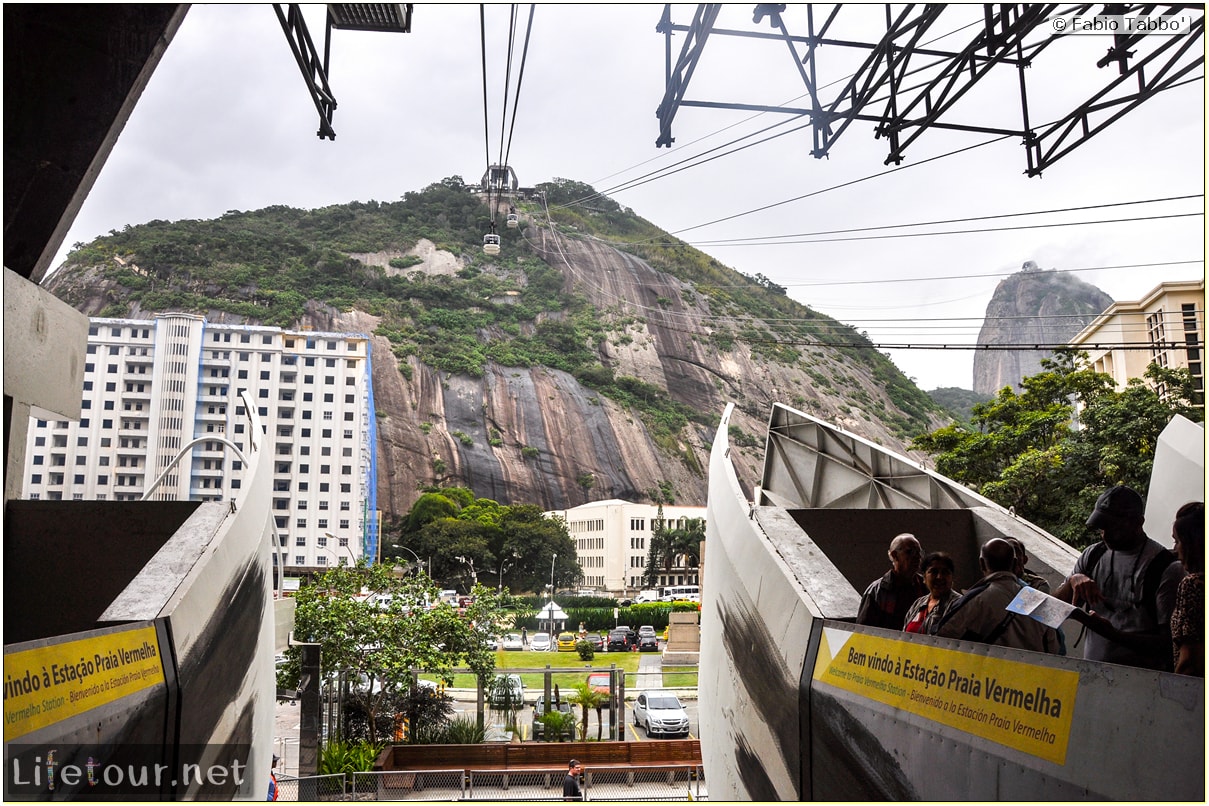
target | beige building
x=612, y=541
x=1166, y=327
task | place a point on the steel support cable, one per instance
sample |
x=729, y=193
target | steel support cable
x=974, y=231
x=486, y=125
x=520, y=78
x=837, y=326
x=507, y=80
x=768, y=239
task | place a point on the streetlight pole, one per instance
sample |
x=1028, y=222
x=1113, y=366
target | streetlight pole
x=331, y=536
x=419, y=562
x=470, y=563
x=552, y=559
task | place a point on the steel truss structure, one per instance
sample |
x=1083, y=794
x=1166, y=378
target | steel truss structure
x=1010, y=36
x=392, y=17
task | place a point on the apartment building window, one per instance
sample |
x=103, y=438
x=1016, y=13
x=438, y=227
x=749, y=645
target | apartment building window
x=322, y=540
x=323, y=504
x=323, y=523
x=300, y=560
x=344, y=507
x=321, y=560
x=301, y=523
x=344, y=524
x=329, y=398
x=300, y=540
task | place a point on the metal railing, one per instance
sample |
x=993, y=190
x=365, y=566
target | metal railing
x=635, y=783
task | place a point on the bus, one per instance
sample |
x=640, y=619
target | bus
x=681, y=593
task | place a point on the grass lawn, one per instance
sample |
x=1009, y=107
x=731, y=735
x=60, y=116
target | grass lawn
x=680, y=676
x=576, y=669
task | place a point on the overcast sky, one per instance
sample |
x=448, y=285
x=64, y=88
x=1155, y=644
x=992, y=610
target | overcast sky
x=226, y=123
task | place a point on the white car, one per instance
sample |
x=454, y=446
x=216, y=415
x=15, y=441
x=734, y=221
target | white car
x=540, y=642
x=512, y=642
x=660, y=713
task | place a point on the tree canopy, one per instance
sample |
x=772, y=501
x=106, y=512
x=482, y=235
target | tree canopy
x=379, y=626
x=509, y=546
x=1027, y=451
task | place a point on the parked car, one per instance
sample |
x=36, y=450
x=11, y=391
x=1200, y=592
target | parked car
x=598, y=643
x=539, y=709
x=566, y=641
x=622, y=639
x=512, y=642
x=646, y=629
x=599, y=681
x=660, y=713
x=648, y=643
x=540, y=642
x=507, y=691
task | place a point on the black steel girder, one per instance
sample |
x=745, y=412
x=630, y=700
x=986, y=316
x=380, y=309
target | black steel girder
x=389, y=17
x=1009, y=36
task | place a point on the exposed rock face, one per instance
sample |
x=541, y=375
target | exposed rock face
x=1031, y=307
x=536, y=435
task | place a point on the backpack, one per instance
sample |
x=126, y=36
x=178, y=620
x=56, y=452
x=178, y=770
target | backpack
x=1150, y=582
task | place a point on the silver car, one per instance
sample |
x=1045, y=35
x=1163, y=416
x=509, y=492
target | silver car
x=660, y=713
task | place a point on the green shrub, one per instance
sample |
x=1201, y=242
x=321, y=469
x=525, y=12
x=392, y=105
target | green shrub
x=585, y=649
x=465, y=730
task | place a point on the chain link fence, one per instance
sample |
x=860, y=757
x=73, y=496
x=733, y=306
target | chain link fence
x=636, y=783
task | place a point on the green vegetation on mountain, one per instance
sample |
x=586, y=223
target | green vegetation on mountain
x=511, y=309
x=959, y=402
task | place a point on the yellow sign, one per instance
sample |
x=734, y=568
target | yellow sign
x=46, y=685
x=1016, y=704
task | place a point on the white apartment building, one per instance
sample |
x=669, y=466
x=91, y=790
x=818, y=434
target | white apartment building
x=612, y=541
x=153, y=387
x=1168, y=324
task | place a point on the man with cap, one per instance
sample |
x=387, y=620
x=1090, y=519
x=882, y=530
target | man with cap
x=1129, y=582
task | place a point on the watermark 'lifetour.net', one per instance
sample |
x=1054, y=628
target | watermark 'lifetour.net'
x=138, y=772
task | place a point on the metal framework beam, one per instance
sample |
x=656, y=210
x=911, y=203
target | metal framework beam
x=1010, y=36
x=383, y=17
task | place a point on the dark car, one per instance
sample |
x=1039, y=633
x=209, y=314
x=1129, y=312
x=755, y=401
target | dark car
x=648, y=643
x=619, y=640
x=598, y=643
x=539, y=727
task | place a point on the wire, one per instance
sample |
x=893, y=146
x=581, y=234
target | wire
x=520, y=78
x=737, y=241
x=486, y=128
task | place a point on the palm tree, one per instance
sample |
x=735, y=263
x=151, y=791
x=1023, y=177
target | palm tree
x=587, y=698
x=685, y=541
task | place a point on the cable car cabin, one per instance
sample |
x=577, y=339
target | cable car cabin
x=514, y=220
x=491, y=244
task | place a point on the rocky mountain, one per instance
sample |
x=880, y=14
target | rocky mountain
x=591, y=359
x=1031, y=307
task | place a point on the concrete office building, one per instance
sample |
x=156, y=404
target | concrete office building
x=613, y=538
x=1170, y=320
x=153, y=388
